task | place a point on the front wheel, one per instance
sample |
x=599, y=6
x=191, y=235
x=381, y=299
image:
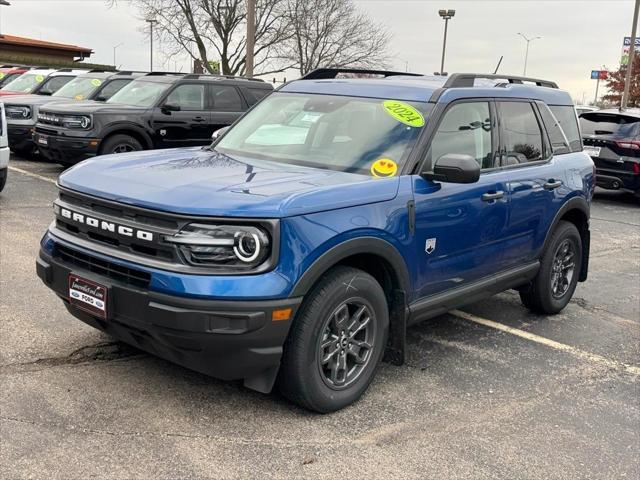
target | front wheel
x=557, y=278
x=336, y=342
x=120, y=144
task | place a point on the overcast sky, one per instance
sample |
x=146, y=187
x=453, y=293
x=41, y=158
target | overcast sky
x=577, y=35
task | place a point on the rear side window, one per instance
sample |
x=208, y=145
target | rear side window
x=566, y=115
x=559, y=142
x=521, y=134
x=225, y=98
x=254, y=95
x=188, y=97
x=616, y=125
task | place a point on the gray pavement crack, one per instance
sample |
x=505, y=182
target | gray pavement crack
x=615, y=221
x=98, y=352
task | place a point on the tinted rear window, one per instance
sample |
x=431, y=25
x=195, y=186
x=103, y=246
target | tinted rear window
x=566, y=116
x=614, y=124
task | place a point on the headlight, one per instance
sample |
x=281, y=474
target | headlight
x=18, y=112
x=233, y=247
x=79, y=121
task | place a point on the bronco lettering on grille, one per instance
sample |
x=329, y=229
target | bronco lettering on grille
x=106, y=226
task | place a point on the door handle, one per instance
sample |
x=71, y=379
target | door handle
x=487, y=197
x=198, y=119
x=552, y=184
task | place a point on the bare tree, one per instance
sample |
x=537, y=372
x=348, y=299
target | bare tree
x=333, y=33
x=212, y=29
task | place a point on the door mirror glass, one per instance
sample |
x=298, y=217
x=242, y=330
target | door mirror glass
x=219, y=133
x=455, y=168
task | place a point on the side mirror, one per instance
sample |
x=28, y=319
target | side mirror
x=170, y=107
x=455, y=168
x=219, y=133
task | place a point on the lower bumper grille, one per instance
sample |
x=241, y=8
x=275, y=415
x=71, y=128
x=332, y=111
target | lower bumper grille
x=108, y=269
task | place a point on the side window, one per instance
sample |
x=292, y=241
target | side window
x=111, y=88
x=225, y=98
x=254, y=95
x=566, y=115
x=466, y=129
x=521, y=134
x=187, y=97
x=53, y=84
x=559, y=142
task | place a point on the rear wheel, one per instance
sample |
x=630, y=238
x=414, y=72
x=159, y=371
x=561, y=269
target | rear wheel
x=336, y=341
x=3, y=178
x=557, y=278
x=120, y=144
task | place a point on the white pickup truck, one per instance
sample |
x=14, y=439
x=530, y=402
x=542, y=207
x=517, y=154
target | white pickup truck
x=4, y=149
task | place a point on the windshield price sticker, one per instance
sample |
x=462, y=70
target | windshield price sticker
x=1, y=74
x=95, y=82
x=39, y=78
x=404, y=113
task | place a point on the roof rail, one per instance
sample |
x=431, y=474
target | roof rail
x=217, y=76
x=325, y=73
x=129, y=72
x=159, y=74
x=461, y=80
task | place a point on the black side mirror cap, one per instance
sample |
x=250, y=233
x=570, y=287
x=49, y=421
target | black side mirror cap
x=169, y=107
x=455, y=168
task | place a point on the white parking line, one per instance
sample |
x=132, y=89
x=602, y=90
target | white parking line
x=30, y=174
x=591, y=357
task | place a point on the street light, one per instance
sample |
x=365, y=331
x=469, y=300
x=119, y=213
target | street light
x=446, y=16
x=151, y=21
x=526, y=55
x=114, y=54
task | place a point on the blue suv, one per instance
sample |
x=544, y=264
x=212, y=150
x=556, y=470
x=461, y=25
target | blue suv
x=298, y=247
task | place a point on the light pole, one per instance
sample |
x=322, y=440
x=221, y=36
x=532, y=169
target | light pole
x=7, y=4
x=446, y=16
x=632, y=52
x=526, y=55
x=114, y=54
x=151, y=21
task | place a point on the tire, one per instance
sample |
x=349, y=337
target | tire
x=303, y=379
x=120, y=144
x=28, y=153
x=3, y=178
x=544, y=295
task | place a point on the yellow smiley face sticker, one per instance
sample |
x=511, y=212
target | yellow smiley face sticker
x=384, y=168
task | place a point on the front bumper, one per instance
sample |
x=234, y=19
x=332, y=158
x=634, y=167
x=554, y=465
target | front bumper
x=617, y=179
x=66, y=150
x=227, y=339
x=20, y=137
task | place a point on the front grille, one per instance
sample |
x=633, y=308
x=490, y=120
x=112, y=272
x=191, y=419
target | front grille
x=46, y=131
x=104, y=268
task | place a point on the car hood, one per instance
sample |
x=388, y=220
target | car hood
x=90, y=106
x=197, y=181
x=33, y=100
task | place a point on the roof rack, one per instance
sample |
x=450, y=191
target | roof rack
x=461, y=80
x=229, y=77
x=129, y=72
x=326, y=73
x=159, y=74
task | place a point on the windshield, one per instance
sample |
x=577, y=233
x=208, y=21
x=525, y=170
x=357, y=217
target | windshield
x=595, y=123
x=370, y=136
x=79, y=88
x=140, y=93
x=25, y=83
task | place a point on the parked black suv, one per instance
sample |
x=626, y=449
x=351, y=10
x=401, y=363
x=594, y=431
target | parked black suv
x=158, y=110
x=612, y=138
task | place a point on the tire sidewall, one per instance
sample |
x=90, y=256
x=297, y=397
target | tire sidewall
x=327, y=398
x=118, y=140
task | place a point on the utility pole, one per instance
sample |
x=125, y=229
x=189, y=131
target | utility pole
x=251, y=36
x=151, y=21
x=446, y=16
x=526, y=54
x=632, y=51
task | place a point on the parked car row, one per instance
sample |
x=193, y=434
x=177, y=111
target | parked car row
x=70, y=115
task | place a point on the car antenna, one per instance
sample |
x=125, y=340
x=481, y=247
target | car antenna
x=498, y=65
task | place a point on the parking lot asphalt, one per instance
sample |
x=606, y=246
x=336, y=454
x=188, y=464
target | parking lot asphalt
x=492, y=391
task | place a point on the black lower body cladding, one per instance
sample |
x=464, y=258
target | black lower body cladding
x=229, y=340
x=66, y=151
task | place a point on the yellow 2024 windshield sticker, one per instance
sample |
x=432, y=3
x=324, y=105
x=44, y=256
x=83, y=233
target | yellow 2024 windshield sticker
x=95, y=82
x=39, y=78
x=403, y=112
x=384, y=167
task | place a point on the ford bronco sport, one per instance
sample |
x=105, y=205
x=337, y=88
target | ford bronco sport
x=158, y=110
x=298, y=247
